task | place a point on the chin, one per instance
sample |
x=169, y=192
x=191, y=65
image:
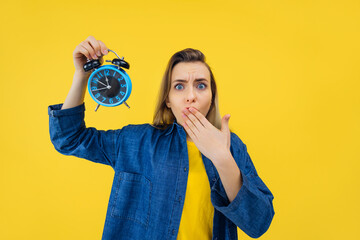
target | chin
x=181, y=123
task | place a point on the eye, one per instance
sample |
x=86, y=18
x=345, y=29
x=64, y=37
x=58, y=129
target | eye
x=203, y=85
x=200, y=84
x=178, y=85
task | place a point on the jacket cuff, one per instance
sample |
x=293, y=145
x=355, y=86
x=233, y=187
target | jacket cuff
x=249, y=211
x=55, y=110
x=222, y=202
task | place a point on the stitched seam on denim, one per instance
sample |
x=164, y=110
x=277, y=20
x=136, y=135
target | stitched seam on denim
x=115, y=200
x=116, y=195
x=172, y=212
x=133, y=219
x=149, y=207
x=113, y=143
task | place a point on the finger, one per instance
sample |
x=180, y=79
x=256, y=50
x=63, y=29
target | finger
x=95, y=45
x=189, y=131
x=202, y=119
x=190, y=124
x=90, y=49
x=84, y=51
x=104, y=49
x=195, y=121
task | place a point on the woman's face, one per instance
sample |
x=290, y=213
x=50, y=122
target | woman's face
x=190, y=87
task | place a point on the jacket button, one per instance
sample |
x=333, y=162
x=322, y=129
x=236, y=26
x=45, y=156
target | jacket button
x=214, y=179
x=179, y=198
x=184, y=169
x=173, y=232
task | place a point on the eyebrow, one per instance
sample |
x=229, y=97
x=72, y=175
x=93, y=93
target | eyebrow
x=196, y=80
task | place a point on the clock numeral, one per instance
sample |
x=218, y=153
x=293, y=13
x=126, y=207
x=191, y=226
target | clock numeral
x=99, y=75
x=104, y=98
x=94, y=81
x=93, y=88
x=120, y=78
x=122, y=93
x=97, y=95
x=117, y=97
x=107, y=72
x=110, y=100
x=114, y=74
x=123, y=85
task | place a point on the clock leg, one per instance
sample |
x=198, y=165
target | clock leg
x=97, y=107
x=126, y=104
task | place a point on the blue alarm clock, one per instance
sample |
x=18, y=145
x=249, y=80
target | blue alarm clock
x=109, y=85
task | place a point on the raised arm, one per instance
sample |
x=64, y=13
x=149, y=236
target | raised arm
x=68, y=132
x=88, y=49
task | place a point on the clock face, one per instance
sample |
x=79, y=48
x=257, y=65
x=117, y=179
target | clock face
x=108, y=86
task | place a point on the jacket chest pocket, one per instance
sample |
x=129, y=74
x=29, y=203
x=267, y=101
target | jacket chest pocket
x=132, y=198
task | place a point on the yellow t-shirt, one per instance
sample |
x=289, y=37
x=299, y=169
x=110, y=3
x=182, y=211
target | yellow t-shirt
x=198, y=213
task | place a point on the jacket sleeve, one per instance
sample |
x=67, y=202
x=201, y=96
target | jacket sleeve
x=70, y=136
x=252, y=209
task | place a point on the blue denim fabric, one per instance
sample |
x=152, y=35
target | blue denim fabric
x=151, y=171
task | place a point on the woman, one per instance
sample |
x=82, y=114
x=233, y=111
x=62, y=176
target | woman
x=185, y=176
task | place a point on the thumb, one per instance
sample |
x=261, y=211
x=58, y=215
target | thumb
x=225, y=123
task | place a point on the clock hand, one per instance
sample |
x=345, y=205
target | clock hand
x=107, y=80
x=108, y=87
x=101, y=83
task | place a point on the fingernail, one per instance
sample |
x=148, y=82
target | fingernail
x=98, y=53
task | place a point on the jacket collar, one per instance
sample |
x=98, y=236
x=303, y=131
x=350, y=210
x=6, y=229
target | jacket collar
x=174, y=125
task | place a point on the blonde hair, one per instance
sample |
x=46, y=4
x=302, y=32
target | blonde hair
x=163, y=116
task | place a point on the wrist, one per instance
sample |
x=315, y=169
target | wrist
x=223, y=158
x=81, y=76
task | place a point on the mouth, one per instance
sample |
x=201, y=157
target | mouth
x=192, y=107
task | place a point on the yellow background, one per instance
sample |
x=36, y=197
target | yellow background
x=287, y=72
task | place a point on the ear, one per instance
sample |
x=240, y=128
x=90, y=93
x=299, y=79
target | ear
x=167, y=103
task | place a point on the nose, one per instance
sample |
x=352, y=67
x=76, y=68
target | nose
x=190, y=95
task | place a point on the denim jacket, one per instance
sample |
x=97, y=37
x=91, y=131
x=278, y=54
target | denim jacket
x=151, y=171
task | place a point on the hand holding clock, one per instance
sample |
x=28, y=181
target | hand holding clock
x=88, y=49
x=108, y=85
